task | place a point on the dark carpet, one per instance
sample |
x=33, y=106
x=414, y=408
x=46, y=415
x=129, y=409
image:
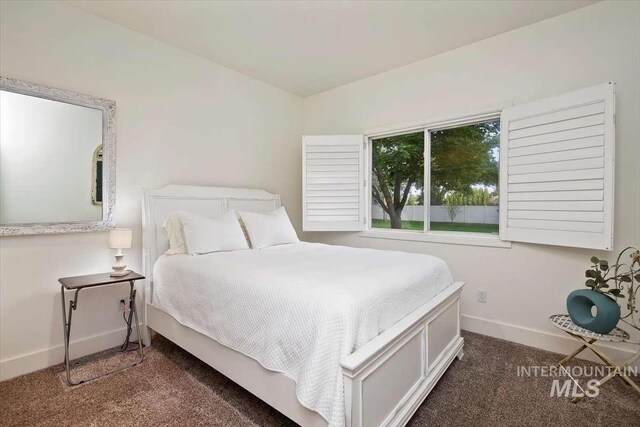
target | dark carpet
x=173, y=388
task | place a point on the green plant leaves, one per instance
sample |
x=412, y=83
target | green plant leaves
x=616, y=293
x=601, y=273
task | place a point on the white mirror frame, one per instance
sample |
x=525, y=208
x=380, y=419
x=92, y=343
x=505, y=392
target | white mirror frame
x=108, y=108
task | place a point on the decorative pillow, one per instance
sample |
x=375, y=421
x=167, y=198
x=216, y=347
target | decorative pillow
x=204, y=235
x=270, y=229
x=172, y=227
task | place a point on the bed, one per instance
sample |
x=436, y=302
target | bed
x=326, y=335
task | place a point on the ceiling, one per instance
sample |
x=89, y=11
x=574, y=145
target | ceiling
x=307, y=47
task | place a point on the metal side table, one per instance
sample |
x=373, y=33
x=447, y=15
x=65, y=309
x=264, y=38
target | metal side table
x=77, y=283
x=587, y=338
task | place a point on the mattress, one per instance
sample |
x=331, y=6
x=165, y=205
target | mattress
x=298, y=309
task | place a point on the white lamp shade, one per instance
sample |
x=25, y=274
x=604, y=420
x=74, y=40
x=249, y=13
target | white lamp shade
x=120, y=238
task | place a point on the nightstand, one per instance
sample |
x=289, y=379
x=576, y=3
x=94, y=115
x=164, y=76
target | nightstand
x=77, y=283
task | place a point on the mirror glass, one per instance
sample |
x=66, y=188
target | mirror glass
x=50, y=161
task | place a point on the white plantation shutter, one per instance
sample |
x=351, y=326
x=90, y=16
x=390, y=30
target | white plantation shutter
x=333, y=183
x=557, y=170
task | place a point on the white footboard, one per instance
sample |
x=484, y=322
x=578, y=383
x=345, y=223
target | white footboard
x=387, y=379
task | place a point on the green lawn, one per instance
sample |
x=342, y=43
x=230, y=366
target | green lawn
x=439, y=226
x=406, y=225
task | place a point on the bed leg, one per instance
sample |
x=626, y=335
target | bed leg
x=146, y=336
x=460, y=354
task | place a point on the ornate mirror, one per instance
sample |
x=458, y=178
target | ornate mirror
x=57, y=160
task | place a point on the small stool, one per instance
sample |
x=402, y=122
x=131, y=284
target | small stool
x=587, y=338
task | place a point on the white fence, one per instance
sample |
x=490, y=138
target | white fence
x=466, y=214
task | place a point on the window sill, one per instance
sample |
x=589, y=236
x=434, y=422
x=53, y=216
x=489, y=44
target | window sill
x=452, y=238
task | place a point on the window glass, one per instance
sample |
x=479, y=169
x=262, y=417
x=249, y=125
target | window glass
x=464, y=178
x=397, y=182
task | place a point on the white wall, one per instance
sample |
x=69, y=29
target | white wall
x=46, y=160
x=525, y=283
x=180, y=119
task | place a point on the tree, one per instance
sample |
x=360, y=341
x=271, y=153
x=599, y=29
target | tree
x=460, y=157
x=477, y=197
x=415, y=199
x=398, y=166
x=454, y=202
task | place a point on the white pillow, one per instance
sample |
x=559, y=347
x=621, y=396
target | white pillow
x=270, y=229
x=172, y=227
x=204, y=235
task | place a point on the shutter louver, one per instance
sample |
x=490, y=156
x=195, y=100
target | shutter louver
x=556, y=174
x=333, y=183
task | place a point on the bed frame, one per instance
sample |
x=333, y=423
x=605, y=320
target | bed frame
x=385, y=381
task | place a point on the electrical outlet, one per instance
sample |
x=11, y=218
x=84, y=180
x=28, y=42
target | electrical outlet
x=482, y=296
x=122, y=305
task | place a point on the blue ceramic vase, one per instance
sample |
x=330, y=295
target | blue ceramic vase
x=579, y=304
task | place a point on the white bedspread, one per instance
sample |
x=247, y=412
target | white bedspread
x=298, y=309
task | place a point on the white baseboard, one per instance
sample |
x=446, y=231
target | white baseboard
x=30, y=362
x=540, y=339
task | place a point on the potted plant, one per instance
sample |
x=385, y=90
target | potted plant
x=607, y=284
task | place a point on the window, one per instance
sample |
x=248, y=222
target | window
x=397, y=182
x=462, y=179
x=539, y=172
x=464, y=170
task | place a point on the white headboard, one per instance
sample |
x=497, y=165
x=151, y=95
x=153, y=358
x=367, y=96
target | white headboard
x=206, y=201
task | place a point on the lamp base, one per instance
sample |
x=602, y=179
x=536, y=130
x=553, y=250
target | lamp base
x=119, y=267
x=119, y=273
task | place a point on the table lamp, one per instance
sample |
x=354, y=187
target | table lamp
x=120, y=238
